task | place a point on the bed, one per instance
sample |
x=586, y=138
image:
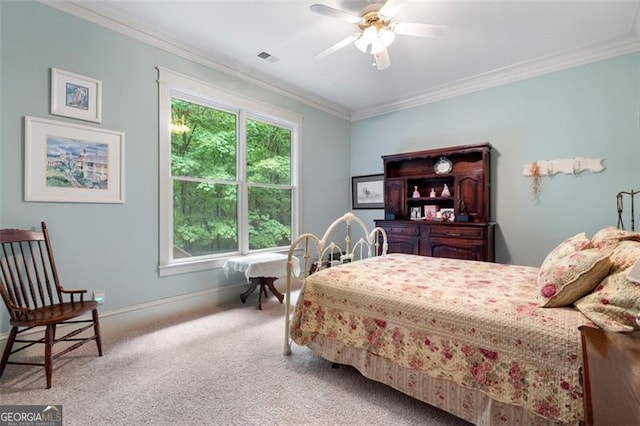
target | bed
x=493, y=344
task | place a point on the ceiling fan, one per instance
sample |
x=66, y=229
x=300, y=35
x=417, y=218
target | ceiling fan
x=376, y=29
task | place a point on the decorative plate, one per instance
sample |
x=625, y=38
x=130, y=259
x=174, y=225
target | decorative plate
x=443, y=166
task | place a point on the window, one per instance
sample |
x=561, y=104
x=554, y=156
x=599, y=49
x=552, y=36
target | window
x=228, y=175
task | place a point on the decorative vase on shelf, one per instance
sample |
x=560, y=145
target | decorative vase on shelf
x=445, y=191
x=416, y=193
x=432, y=194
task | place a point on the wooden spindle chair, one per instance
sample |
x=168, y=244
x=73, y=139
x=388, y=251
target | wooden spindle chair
x=34, y=297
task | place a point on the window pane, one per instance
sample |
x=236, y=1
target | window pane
x=204, y=218
x=269, y=217
x=268, y=153
x=203, y=141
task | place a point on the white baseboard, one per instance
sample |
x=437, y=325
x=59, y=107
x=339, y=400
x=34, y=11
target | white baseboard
x=118, y=320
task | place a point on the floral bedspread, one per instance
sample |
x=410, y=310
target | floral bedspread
x=476, y=323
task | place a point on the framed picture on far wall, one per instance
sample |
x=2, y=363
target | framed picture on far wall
x=76, y=96
x=66, y=162
x=367, y=192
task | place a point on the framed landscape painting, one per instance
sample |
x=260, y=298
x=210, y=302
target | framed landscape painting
x=67, y=162
x=367, y=192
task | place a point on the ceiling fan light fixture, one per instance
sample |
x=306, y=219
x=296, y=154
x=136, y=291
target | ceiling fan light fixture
x=361, y=43
x=386, y=36
x=377, y=47
x=376, y=29
x=378, y=38
x=368, y=37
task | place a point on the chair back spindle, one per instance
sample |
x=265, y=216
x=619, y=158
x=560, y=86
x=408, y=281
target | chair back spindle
x=27, y=271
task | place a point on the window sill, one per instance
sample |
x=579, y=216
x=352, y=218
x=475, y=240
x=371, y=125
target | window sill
x=198, y=265
x=191, y=266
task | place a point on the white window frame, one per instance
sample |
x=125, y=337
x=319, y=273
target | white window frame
x=172, y=84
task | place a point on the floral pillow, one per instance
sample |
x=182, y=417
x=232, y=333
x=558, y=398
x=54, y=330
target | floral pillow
x=615, y=303
x=565, y=248
x=611, y=236
x=568, y=246
x=625, y=254
x=563, y=280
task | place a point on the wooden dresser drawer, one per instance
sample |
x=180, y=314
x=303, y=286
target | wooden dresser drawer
x=458, y=240
x=402, y=230
x=456, y=232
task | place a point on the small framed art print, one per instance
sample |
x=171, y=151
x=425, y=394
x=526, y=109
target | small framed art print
x=76, y=96
x=416, y=213
x=367, y=192
x=448, y=214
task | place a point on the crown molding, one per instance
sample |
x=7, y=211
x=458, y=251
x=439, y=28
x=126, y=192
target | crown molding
x=510, y=74
x=522, y=71
x=138, y=32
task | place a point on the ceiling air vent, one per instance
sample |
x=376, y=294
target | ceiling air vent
x=267, y=57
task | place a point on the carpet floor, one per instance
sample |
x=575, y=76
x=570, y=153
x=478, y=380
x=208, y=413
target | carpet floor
x=223, y=366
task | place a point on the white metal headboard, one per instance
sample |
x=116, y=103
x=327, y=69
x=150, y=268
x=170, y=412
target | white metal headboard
x=313, y=250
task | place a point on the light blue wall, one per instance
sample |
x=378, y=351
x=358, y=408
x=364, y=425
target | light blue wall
x=2, y=36
x=115, y=246
x=588, y=111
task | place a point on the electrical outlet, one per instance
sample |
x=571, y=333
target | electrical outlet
x=98, y=296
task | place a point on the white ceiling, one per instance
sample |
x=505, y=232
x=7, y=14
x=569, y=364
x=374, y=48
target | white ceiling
x=490, y=42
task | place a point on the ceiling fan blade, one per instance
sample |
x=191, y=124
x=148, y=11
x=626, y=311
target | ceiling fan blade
x=420, y=30
x=382, y=60
x=339, y=45
x=335, y=13
x=390, y=8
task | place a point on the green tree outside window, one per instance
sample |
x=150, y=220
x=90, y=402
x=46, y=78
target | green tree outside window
x=208, y=184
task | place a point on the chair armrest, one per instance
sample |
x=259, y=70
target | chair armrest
x=81, y=292
x=10, y=305
x=73, y=291
x=13, y=307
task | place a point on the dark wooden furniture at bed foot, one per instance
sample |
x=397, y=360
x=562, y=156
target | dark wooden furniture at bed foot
x=611, y=376
x=264, y=283
x=34, y=297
